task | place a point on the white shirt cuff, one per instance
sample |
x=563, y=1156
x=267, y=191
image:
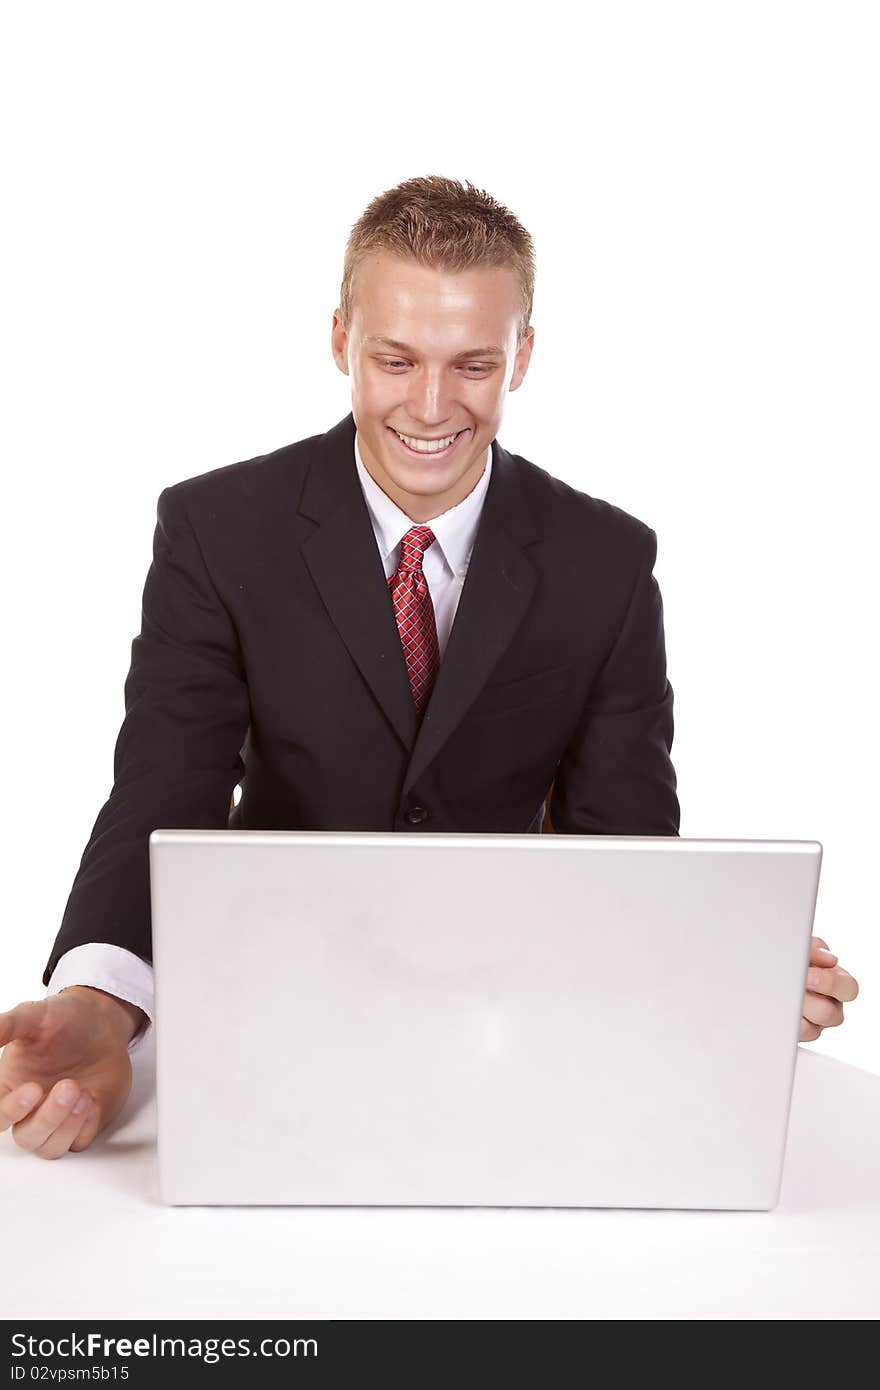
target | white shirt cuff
x=113, y=969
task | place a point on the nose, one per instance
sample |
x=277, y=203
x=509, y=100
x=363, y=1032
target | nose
x=431, y=402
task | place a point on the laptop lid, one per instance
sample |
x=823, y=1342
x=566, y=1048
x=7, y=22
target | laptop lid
x=456, y=1019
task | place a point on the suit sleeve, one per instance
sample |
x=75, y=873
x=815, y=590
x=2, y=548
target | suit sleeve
x=616, y=776
x=177, y=755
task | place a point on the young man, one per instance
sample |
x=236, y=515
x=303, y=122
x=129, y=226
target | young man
x=397, y=625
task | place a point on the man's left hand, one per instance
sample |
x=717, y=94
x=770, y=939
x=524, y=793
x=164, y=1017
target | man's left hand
x=829, y=987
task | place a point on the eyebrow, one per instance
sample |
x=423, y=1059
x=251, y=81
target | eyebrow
x=411, y=352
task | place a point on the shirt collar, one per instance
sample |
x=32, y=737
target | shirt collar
x=454, y=530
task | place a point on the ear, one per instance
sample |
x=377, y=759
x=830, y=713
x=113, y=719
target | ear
x=339, y=343
x=522, y=359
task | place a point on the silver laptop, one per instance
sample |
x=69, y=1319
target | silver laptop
x=477, y=1020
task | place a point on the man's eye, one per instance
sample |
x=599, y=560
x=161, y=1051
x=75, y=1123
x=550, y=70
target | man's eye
x=396, y=362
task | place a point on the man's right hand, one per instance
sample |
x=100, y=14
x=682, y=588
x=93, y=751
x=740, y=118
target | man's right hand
x=65, y=1050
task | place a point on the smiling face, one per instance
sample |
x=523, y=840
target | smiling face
x=430, y=354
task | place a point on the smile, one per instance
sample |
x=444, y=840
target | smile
x=428, y=448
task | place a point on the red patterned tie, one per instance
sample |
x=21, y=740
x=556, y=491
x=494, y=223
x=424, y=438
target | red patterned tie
x=414, y=612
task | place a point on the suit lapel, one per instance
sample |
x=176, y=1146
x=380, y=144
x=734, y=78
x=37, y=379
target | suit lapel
x=497, y=590
x=344, y=561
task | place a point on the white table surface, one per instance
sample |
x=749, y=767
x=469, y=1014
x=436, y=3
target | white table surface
x=85, y=1236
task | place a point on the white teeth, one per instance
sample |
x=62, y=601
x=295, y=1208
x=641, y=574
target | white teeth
x=426, y=446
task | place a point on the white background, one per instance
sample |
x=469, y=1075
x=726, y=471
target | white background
x=701, y=184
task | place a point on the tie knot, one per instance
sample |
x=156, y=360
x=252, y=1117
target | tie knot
x=414, y=545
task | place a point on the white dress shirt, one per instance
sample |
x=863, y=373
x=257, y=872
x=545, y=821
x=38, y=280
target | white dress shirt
x=445, y=564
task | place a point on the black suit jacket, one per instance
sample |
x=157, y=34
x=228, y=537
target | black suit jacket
x=269, y=656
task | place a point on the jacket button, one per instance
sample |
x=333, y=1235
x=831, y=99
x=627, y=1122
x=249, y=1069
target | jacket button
x=416, y=814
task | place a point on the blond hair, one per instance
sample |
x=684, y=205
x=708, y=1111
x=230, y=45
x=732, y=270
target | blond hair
x=446, y=225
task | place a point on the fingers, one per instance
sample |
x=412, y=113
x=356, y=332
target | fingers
x=16, y=1104
x=52, y=1127
x=820, y=955
x=829, y=987
x=836, y=982
x=71, y=1130
x=22, y=1021
x=91, y=1124
x=832, y=979
x=821, y=1009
